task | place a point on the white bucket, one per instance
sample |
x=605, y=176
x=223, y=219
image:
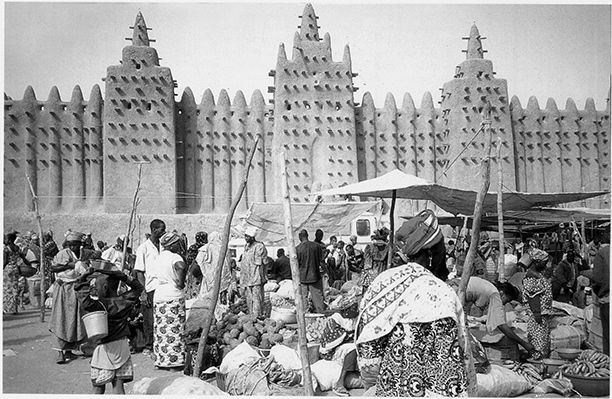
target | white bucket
x=96, y=324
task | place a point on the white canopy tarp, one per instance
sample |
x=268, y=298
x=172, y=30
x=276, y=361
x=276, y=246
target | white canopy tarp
x=453, y=200
x=332, y=218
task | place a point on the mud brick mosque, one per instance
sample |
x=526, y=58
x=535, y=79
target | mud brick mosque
x=82, y=155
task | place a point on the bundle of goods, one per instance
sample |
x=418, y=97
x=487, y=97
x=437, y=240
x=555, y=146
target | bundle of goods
x=501, y=382
x=175, y=385
x=529, y=371
x=314, y=328
x=590, y=363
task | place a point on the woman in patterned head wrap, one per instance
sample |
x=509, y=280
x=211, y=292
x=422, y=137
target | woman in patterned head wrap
x=411, y=334
x=537, y=294
x=169, y=272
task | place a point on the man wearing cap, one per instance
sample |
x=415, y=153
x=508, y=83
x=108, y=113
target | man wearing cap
x=252, y=271
x=66, y=323
x=309, y=257
x=146, y=254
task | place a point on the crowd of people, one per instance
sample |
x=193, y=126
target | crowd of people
x=408, y=331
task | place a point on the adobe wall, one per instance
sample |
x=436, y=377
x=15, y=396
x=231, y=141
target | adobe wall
x=82, y=156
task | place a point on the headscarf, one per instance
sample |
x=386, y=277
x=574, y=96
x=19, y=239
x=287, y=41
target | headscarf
x=169, y=239
x=333, y=336
x=538, y=255
x=420, y=232
x=74, y=236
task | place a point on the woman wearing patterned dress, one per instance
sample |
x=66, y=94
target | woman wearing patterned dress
x=411, y=334
x=537, y=293
x=10, y=286
x=169, y=303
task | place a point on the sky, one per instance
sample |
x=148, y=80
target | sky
x=556, y=51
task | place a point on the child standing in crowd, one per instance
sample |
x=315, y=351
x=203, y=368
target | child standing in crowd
x=111, y=361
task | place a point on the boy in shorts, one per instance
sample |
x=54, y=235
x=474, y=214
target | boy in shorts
x=111, y=361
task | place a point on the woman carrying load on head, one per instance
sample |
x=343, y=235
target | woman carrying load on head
x=169, y=271
x=66, y=323
x=537, y=294
x=411, y=333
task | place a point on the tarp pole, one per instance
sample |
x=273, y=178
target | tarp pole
x=222, y=254
x=135, y=202
x=391, y=233
x=41, y=267
x=295, y=277
x=485, y=174
x=500, y=214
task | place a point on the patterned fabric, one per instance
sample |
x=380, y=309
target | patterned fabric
x=538, y=334
x=405, y=294
x=169, y=331
x=427, y=360
x=411, y=297
x=101, y=377
x=10, y=283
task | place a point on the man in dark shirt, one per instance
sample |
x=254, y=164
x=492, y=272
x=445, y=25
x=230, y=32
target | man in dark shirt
x=310, y=256
x=281, y=269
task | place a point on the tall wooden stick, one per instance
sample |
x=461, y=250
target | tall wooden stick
x=135, y=202
x=500, y=214
x=43, y=289
x=391, y=233
x=486, y=169
x=295, y=276
x=222, y=252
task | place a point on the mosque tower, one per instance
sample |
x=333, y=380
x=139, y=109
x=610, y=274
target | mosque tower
x=314, y=114
x=463, y=100
x=139, y=113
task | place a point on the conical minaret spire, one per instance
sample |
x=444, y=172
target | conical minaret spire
x=309, y=30
x=140, y=37
x=474, y=49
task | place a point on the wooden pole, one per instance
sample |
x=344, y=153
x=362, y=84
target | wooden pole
x=391, y=234
x=43, y=288
x=480, y=196
x=135, y=202
x=222, y=252
x=500, y=214
x=295, y=276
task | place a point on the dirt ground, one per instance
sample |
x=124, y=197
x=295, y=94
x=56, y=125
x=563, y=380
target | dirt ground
x=28, y=363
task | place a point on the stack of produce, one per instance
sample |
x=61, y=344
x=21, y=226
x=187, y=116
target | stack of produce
x=233, y=329
x=590, y=363
x=282, y=302
x=529, y=371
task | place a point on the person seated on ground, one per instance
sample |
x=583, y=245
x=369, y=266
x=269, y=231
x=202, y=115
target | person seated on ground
x=337, y=345
x=111, y=361
x=579, y=297
x=281, y=268
x=485, y=301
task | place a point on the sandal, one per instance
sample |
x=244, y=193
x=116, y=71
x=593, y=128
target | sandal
x=340, y=391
